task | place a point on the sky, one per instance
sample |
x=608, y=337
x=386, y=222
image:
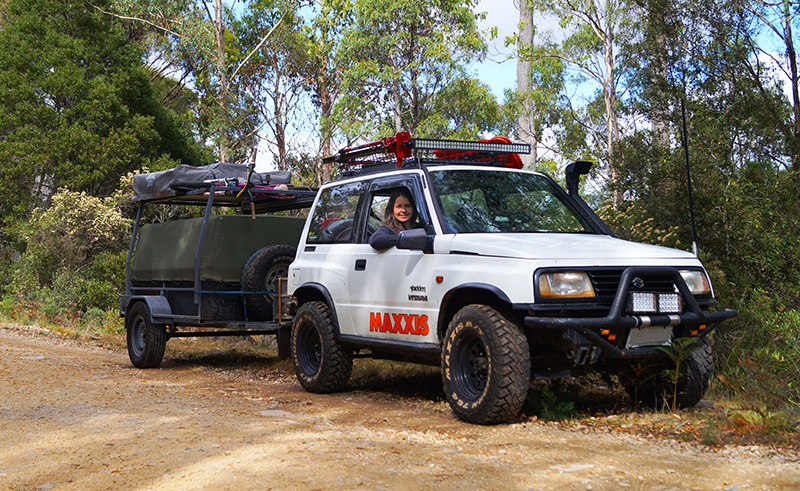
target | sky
x=499, y=69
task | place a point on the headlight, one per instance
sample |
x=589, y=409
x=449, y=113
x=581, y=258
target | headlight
x=696, y=281
x=567, y=284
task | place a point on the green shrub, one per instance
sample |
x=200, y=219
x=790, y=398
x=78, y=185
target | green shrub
x=549, y=404
x=758, y=354
x=74, y=254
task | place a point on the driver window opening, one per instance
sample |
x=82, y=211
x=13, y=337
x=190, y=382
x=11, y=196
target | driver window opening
x=378, y=210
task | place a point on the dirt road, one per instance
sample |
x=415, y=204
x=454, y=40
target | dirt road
x=78, y=417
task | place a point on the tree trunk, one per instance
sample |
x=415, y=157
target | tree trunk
x=792, y=56
x=326, y=133
x=223, y=90
x=612, y=121
x=279, y=105
x=526, y=132
x=398, y=124
x=659, y=113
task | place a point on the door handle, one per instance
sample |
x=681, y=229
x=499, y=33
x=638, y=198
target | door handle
x=361, y=264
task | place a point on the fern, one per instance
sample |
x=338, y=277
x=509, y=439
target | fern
x=550, y=405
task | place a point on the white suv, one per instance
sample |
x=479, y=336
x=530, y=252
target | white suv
x=512, y=278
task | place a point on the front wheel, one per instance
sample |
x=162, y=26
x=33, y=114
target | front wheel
x=321, y=364
x=146, y=341
x=486, y=366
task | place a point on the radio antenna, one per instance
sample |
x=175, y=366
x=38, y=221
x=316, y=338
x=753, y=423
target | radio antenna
x=688, y=176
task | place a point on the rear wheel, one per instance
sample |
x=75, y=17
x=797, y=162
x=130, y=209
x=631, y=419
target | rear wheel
x=321, y=364
x=146, y=341
x=486, y=366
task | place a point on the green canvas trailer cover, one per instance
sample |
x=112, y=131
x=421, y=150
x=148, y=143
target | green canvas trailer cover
x=165, y=252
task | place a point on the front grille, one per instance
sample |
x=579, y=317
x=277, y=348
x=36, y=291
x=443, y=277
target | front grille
x=606, y=283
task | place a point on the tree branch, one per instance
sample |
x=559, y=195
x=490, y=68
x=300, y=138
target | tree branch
x=125, y=17
x=258, y=46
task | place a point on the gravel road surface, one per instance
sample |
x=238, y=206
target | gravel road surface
x=81, y=417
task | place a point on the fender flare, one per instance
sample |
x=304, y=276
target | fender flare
x=326, y=295
x=444, y=304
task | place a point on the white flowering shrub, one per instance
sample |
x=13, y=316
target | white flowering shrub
x=74, y=253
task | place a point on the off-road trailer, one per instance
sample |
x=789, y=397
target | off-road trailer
x=219, y=275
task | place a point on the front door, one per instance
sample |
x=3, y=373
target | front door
x=391, y=291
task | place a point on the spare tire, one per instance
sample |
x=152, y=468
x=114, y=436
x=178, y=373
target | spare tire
x=259, y=276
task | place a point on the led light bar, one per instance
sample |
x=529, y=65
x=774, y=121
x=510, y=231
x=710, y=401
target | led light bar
x=465, y=146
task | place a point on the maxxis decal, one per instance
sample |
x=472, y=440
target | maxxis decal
x=413, y=324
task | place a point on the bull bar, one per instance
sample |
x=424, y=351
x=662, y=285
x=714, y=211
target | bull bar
x=586, y=326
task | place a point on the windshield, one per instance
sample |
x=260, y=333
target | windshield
x=480, y=201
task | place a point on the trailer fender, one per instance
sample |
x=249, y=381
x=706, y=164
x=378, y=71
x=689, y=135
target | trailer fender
x=160, y=310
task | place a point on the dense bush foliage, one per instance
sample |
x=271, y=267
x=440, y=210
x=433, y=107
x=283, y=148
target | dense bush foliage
x=749, y=239
x=74, y=253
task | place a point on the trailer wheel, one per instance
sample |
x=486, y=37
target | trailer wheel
x=260, y=275
x=321, y=364
x=486, y=366
x=146, y=341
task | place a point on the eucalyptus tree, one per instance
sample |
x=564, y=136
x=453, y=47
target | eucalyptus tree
x=594, y=31
x=323, y=34
x=269, y=42
x=771, y=38
x=187, y=41
x=464, y=109
x=401, y=54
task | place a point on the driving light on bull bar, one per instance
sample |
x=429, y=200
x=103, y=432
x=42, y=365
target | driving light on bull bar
x=651, y=303
x=566, y=284
x=669, y=303
x=696, y=281
x=643, y=302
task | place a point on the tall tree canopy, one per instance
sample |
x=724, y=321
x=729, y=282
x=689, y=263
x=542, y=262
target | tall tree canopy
x=403, y=53
x=77, y=108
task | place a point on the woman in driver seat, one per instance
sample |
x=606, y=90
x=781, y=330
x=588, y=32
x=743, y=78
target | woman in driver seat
x=400, y=214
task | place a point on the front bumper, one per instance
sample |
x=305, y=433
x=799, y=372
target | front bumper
x=589, y=328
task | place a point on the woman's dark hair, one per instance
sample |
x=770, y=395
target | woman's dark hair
x=388, y=215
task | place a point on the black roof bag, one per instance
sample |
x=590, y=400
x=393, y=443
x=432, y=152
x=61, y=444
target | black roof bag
x=158, y=185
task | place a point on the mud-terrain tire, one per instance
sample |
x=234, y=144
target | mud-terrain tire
x=486, y=366
x=656, y=392
x=146, y=341
x=321, y=364
x=259, y=276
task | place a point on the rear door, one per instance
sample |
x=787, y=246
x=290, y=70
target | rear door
x=327, y=250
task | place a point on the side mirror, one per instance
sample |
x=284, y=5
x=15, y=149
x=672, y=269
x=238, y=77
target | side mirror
x=416, y=240
x=574, y=172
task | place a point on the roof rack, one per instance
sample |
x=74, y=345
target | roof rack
x=246, y=197
x=398, y=144
x=494, y=151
